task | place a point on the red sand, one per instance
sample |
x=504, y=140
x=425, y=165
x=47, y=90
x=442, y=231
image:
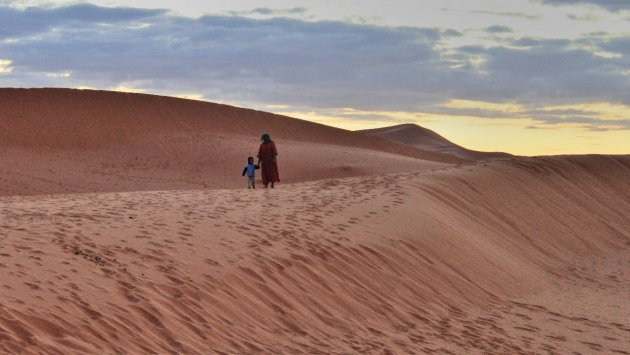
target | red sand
x=528, y=255
x=61, y=141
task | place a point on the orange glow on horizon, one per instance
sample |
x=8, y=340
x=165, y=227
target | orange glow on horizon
x=519, y=136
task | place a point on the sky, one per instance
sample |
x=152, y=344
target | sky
x=530, y=77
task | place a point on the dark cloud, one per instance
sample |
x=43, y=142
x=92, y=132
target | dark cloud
x=589, y=123
x=548, y=71
x=498, y=29
x=586, y=119
x=33, y=20
x=552, y=44
x=321, y=65
x=587, y=18
x=452, y=33
x=610, y=5
x=617, y=45
x=275, y=60
x=527, y=42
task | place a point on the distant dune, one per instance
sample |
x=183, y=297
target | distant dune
x=428, y=140
x=61, y=140
x=392, y=250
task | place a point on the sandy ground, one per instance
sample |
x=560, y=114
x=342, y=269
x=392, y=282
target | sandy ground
x=56, y=141
x=530, y=255
x=39, y=171
x=125, y=228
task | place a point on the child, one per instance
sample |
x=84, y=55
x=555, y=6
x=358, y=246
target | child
x=250, y=170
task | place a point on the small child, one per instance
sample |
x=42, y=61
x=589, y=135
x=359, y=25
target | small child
x=250, y=170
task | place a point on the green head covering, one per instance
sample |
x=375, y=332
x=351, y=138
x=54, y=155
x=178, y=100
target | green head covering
x=265, y=138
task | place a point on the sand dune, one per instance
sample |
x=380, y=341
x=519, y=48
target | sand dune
x=368, y=246
x=529, y=255
x=64, y=141
x=428, y=140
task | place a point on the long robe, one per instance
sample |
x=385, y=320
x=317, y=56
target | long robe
x=268, y=165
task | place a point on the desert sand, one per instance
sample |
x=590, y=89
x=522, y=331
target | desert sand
x=68, y=141
x=367, y=246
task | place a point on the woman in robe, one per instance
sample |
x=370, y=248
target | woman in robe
x=268, y=161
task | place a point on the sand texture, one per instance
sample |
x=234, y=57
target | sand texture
x=66, y=141
x=382, y=250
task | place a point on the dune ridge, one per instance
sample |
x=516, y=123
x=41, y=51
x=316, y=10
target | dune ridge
x=425, y=139
x=67, y=141
x=527, y=255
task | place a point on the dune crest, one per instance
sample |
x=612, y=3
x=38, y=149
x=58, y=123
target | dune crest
x=425, y=139
x=67, y=141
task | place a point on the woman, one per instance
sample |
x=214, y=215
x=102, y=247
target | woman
x=267, y=155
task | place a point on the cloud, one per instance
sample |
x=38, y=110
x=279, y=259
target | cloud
x=594, y=116
x=266, y=11
x=292, y=11
x=610, y=5
x=498, y=29
x=549, y=71
x=507, y=14
x=585, y=122
x=275, y=60
x=587, y=17
x=317, y=65
x=452, y=33
x=617, y=45
x=33, y=20
x=5, y=66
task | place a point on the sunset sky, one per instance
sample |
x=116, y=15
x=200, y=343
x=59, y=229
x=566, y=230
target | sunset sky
x=523, y=76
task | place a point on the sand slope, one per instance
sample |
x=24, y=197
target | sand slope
x=60, y=141
x=520, y=256
x=428, y=140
